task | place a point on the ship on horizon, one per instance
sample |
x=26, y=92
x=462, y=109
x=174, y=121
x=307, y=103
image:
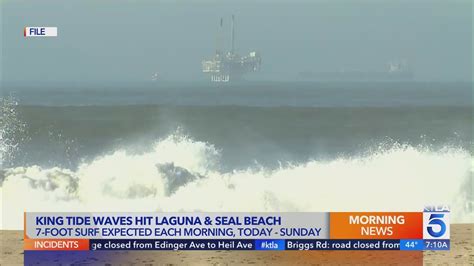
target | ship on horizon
x=230, y=66
x=395, y=71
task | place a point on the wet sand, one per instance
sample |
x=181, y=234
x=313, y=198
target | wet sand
x=461, y=253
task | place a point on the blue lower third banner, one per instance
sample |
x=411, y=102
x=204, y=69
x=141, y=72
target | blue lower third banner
x=411, y=231
x=242, y=244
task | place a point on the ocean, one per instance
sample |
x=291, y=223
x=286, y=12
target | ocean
x=254, y=146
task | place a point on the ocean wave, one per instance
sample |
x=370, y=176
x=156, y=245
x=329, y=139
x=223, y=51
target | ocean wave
x=182, y=174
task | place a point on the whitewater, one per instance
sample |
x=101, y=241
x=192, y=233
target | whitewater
x=176, y=176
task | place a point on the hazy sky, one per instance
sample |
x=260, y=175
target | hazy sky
x=100, y=41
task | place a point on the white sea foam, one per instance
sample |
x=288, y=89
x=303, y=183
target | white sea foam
x=180, y=174
x=9, y=123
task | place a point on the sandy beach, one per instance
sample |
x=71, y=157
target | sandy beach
x=461, y=253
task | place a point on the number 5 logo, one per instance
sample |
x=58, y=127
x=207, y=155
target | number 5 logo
x=436, y=225
x=436, y=219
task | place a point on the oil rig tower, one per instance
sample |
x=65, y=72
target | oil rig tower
x=229, y=66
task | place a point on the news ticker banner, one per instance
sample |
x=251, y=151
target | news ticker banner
x=428, y=230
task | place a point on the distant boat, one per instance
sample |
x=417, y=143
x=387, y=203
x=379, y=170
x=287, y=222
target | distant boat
x=394, y=72
x=155, y=76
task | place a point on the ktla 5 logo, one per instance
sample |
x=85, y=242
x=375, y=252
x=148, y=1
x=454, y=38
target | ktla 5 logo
x=436, y=225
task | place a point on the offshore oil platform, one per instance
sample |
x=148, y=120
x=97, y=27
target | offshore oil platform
x=230, y=66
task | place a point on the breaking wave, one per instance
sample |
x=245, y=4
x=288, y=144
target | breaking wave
x=181, y=174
